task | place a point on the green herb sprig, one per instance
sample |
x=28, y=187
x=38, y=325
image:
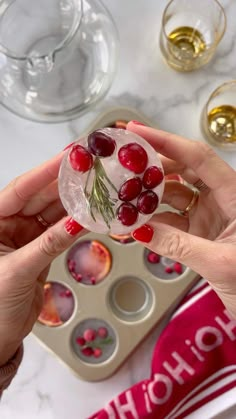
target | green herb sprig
x=99, y=198
x=99, y=343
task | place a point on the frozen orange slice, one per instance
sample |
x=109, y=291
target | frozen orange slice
x=49, y=315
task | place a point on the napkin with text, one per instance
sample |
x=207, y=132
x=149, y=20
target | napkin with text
x=193, y=366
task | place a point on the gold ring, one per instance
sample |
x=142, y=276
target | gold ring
x=200, y=185
x=191, y=203
x=40, y=220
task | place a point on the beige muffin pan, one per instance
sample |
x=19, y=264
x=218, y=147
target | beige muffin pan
x=105, y=294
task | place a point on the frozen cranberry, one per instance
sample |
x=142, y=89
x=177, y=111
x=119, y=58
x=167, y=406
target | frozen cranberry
x=130, y=189
x=80, y=159
x=100, y=144
x=97, y=352
x=81, y=341
x=102, y=332
x=147, y=202
x=127, y=214
x=68, y=293
x=77, y=277
x=168, y=270
x=153, y=257
x=71, y=265
x=152, y=177
x=178, y=268
x=89, y=335
x=93, y=280
x=132, y=156
x=87, y=351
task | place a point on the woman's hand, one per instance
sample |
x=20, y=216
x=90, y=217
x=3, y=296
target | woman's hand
x=27, y=248
x=205, y=238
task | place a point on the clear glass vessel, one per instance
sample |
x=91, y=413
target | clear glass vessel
x=190, y=32
x=218, y=120
x=57, y=57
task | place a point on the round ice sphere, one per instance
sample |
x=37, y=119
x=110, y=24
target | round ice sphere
x=111, y=181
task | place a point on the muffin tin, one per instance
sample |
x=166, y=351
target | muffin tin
x=106, y=293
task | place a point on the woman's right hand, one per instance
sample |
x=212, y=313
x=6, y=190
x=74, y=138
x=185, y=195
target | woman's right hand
x=205, y=238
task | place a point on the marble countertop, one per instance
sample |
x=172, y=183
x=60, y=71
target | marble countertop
x=44, y=388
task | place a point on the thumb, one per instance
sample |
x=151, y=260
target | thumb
x=212, y=260
x=38, y=254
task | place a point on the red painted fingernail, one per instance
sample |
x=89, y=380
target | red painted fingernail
x=72, y=227
x=68, y=146
x=143, y=234
x=138, y=123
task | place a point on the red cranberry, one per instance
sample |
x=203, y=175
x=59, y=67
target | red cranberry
x=80, y=159
x=78, y=277
x=93, y=280
x=178, y=268
x=97, y=352
x=168, y=270
x=147, y=202
x=152, y=177
x=153, y=257
x=102, y=332
x=81, y=341
x=133, y=157
x=89, y=335
x=71, y=265
x=130, y=189
x=127, y=214
x=87, y=351
x=68, y=293
x=100, y=144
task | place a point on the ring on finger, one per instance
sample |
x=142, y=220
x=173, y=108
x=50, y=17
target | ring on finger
x=43, y=223
x=200, y=185
x=191, y=203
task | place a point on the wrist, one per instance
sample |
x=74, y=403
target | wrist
x=9, y=369
x=8, y=351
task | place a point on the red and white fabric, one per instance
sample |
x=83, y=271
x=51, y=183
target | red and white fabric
x=193, y=367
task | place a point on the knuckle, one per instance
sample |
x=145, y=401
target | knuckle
x=176, y=247
x=222, y=276
x=226, y=262
x=203, y=148
x=52, y=244
x=19, y=193
x=208, y=152
x=203, y=152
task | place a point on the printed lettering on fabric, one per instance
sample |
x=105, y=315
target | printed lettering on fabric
x=193, y=361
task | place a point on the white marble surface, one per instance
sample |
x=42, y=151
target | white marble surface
x=44, y=388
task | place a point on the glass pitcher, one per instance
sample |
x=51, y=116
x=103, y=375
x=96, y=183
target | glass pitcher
x=57, y=57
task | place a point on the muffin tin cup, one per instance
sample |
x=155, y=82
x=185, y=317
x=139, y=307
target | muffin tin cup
x=150, y=297
x=97, y=302
x=131, y=299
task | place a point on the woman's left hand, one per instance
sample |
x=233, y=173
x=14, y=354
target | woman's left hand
x=201, y=234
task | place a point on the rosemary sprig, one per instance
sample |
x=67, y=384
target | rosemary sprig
x=99, y=198
x=100, y=343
